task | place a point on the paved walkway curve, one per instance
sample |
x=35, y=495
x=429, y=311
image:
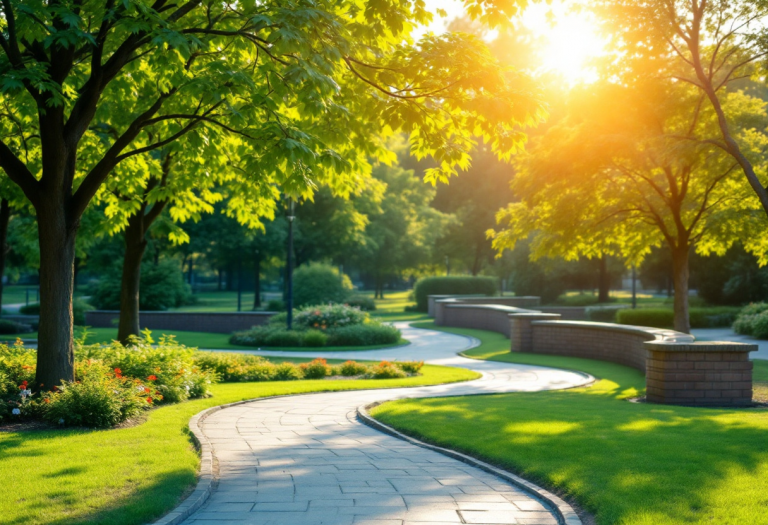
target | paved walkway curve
x=307, y=460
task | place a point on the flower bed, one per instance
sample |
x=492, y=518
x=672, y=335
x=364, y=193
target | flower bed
x=114, y=383
x=318, y=326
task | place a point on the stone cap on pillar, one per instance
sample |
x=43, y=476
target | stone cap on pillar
x=700, y=346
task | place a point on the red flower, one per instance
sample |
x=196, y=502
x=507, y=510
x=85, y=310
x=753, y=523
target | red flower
x=153, y=377
x=55, y=388
x=47, y=400
x=147, y=390
x=149, y=400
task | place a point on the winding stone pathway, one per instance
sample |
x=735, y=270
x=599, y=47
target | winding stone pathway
x=307, y=460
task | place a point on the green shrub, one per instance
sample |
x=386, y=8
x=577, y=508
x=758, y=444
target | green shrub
x=288, y=372
x=319, y=283
x=12, y=327
x=101, y=398
x=316, y=369
x=283, y=338
x=79, y=307
x=162, y=287
x=231, y=367
x=329, y=316
x=314, y=338
x=710, y=317
x=362, y=302
x=452, y=285
x=352, y=368
x=386, y=370
x=752, y=320
x=411, y=367
x=275, y=305
x=364, y=335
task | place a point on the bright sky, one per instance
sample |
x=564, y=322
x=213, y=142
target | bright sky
x=571, y=38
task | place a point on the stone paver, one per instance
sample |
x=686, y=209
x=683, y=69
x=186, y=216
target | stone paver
x=307, y=460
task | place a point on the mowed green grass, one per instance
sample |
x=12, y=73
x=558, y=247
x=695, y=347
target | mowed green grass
x=134, y=475
x=627, y=463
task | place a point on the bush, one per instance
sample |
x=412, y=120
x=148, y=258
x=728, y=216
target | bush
x=288, y=372
x=101, y=398
x=318, y=283
x=328, y=317
x=314, y=338
x=363, y=302
x=752, y=320
x=352, y=368
x=79, y=307
x=452, y=285
x=283, y=338
x=162, y=287
x=712, y=317
x=411, y=367
x=12, y=327
x=364, y=335
x=386, y=370
x=316, y=369
x=602, y=315
x=231, y=367
x=275, y=305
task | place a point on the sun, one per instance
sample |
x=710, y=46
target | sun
x=570, y=40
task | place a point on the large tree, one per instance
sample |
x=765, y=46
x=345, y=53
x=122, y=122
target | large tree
x=612, y=177
x=87, y=86
x=709, y=44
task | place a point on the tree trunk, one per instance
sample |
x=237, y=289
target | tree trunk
x=135, y=246
x=257, y=281
x=55, y=350
x=604, y=284
x=5, y=218
x=680, y=273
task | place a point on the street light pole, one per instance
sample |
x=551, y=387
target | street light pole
x=289, y=265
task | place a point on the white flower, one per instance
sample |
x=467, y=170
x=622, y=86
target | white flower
x=15, y=411
x=140, y=388
x=26, y=392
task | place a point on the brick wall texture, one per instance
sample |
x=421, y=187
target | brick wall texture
x=218, y=322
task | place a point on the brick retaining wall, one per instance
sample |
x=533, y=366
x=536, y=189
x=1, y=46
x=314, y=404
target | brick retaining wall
x=492, y=317
x=215, y=322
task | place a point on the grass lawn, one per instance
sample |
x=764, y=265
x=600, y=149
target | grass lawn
x=134, y=475
x=627, y=463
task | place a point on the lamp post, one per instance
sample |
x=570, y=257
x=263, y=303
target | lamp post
x=634, y=287
x=289, y=266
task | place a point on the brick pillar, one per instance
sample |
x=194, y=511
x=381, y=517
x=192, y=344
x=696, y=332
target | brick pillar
x=710, y=373
x=521, y=330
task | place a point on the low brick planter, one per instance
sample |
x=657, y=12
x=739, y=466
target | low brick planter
x=215, y=322
x=699, y=373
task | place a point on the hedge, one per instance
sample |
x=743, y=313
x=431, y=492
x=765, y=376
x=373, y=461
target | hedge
x=452, y=285
x=706, y=317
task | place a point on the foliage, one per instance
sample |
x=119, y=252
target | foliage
x=329, y=316
x=735, y=278
x=364, y=335
x=362, y=302
x=314, y=338
x=231, y=367
x=288, y=372
x=753, y=320
x=316, y=369
x=368, y=334
x=452, y=285
x=317, y=283
x=711, y=317
x=102, y=397
x=352, y=368
x=275, y=305
x=162, y=287
x=386, y=370
x=410, y=367
x=79, y=307
x=12, y=327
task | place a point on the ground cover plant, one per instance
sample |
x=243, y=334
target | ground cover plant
x=87, y=476
x=626, y=463
x=320, y=326
x=753, y=320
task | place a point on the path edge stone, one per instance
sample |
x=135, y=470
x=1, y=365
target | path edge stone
x=563, y=511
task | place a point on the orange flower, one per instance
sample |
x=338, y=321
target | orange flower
x=149, y=400
x=152, y=378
